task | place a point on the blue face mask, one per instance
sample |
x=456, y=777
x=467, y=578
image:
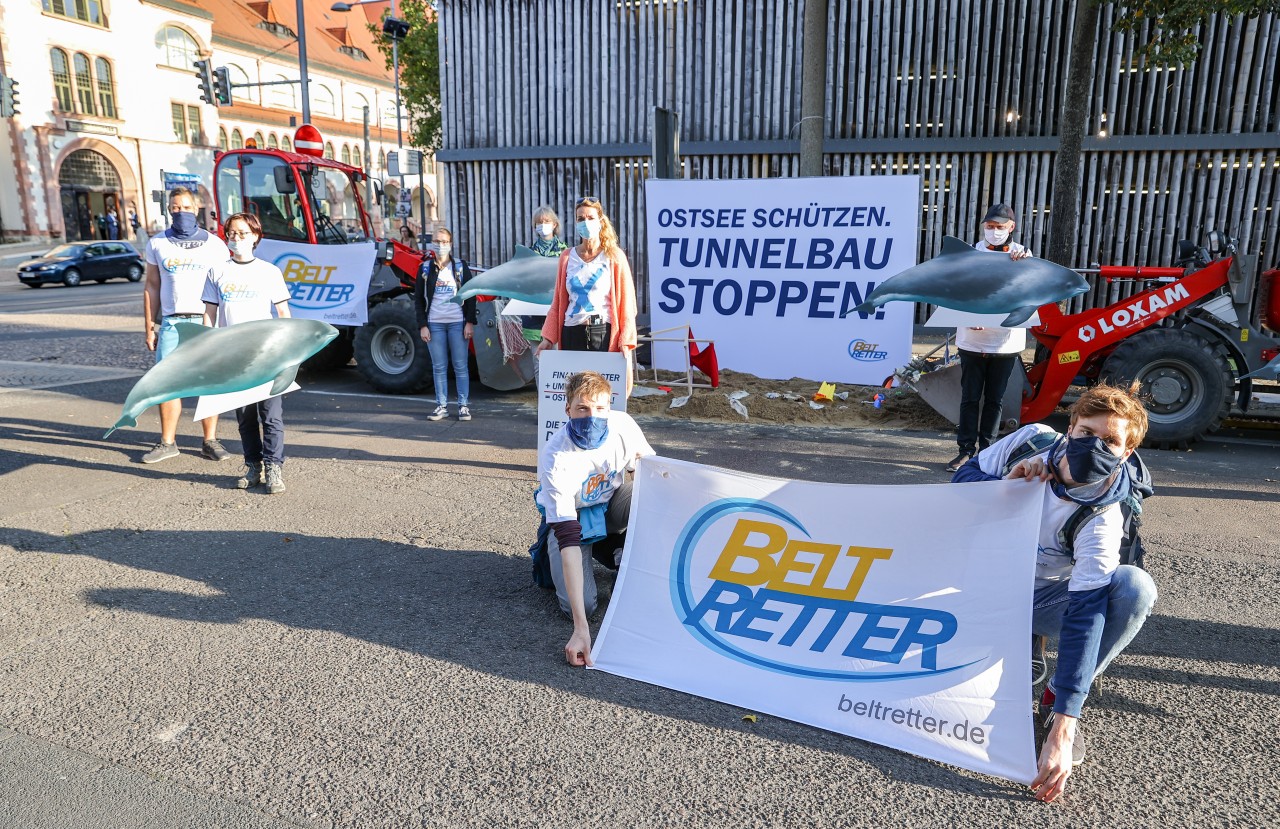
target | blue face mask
x=588, y=432
x=184, y=224
x=1089, y=459
x=588, y=229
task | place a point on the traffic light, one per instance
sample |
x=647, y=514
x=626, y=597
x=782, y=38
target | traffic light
x=204, y=74
x=222, y=86
x=8, y=97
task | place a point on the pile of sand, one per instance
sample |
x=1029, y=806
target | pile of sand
x=901, y=407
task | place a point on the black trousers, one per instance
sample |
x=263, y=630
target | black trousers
x=262, y=431
x=576, y=337
x=984, y=378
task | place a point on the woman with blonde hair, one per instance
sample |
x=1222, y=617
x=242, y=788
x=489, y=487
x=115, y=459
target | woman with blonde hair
x=546, y=232
x=593, y=307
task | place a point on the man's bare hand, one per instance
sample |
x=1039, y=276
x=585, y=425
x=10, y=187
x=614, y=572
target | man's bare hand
x=1019, y=254
x=578, y=650
x=1055, y=760
x=1033, y=469
x=151, y=340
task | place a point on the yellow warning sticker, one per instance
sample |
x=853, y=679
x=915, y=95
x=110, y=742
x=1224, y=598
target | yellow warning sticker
x=1068, y=357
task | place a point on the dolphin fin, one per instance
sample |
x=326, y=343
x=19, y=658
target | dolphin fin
x=283, y=379
x=864, y=308
x=1018, y=316
x=188, y=331
x=952, y=245
x=523, y=252
x=123, y=421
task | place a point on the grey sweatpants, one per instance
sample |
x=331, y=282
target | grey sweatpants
x=615, y=521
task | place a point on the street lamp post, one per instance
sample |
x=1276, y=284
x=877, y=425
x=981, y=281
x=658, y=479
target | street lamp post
x=395, y=38
x=302, y=63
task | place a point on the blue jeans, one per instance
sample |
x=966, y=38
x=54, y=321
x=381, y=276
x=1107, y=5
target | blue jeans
x=167, y=337
x=1132, y=594
x=448, y=345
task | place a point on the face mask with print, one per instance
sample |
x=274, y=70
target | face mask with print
x=184, y=223
x=588, y=432
x=545, y=229
x=996, y=238
x=589, y=229
x=242, y=248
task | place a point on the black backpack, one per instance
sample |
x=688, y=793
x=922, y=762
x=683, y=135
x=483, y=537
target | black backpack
x=1132, y=550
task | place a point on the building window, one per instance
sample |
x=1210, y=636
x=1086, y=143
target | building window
x=90, y=11
x=258, y=140
x=328, y=149
x=106, y=88
x=286, y=144
x=62, y=80
x=222, y=139
x=346, y=154
x=239, y=78
x=177, y=48
x=358, y=104
x=186, y=123
x=382, y=160
x=284, y=96
x=237, y=140
x=278, y=29
x=322, y=101
x=84, y=85
x=356, y=159
x=273, y=143
x=354, y=52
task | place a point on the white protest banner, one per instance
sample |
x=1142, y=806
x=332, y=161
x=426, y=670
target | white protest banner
x=212, y=404
x=554, y=370
x=896, y=614
x=767, y=267
x=951, y=318
x=326, y=282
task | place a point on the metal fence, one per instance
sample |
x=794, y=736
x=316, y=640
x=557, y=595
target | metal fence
x=545, y=101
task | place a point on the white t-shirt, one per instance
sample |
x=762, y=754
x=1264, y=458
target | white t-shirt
x=993, y=339
x=245, y=291
x=573, y=478
x=443, y=308
x=184, y=265
x=1097, y=543
x=589, y=285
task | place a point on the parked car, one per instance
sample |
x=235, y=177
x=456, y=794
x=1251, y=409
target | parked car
x=73, y=263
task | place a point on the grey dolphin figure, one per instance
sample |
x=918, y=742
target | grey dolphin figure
x=1272, y=368
x=526, y=276
x=966, y=279
x=220, y=360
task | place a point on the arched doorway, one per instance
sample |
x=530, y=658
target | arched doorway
x=90, y=188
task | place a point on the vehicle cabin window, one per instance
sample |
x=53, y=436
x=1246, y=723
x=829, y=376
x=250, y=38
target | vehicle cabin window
x=230, y=199
x=279, y=213
x=335, y=211
x=92, y=250
x=117, y=248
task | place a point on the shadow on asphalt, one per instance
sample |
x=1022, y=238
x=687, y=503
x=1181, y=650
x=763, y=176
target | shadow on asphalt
x=473, y=608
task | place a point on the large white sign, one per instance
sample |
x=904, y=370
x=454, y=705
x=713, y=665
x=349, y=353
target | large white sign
x=554, y=370
x=768, y=267
x=326, y=282
x=838, y=606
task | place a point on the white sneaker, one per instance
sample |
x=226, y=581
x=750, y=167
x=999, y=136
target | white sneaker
x=464, y=413
x=440, y=413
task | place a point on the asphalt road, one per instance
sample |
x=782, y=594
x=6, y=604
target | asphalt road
x=367, y=650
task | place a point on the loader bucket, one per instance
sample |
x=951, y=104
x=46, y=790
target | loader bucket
x=941, y=390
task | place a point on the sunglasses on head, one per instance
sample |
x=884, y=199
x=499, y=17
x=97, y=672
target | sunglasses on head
x=587, y=200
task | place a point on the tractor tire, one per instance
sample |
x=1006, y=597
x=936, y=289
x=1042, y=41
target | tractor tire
x=389, y=353
x=1186, y=383
x=336, y=355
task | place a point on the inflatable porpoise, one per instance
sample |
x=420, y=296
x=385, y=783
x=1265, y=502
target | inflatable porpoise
x=1272, y=368
x=526, y=276
x=221, y=360
x=966, y=279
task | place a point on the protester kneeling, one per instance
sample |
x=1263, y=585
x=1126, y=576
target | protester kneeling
x=1084, y=597
x=585, y=494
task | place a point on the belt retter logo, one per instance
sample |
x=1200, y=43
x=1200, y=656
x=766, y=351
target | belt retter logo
x=309, y=284
x=866, y=352
x=790, y=604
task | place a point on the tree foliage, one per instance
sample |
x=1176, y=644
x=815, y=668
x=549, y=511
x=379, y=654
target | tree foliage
x=419, y=70
x=1174, y=33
